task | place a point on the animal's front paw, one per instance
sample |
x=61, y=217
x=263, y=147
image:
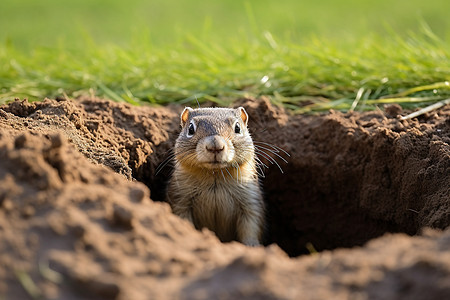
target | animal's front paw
x=251, y=242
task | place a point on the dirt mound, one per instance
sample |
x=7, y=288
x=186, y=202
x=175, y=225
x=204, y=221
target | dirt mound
x=352, y=177
x=75, y=223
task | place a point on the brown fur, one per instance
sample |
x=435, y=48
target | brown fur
x=217, y=189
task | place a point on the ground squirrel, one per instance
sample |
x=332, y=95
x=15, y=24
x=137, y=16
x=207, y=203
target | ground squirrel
x=215, y=182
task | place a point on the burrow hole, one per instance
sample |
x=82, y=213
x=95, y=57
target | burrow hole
x=338, y=189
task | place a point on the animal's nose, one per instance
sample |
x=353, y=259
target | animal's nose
x=215, y=149
x=215, y=144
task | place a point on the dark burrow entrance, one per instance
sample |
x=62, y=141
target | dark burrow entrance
x=350, y=178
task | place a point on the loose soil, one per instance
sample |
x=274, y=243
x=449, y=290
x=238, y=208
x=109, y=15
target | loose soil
x=82, y=213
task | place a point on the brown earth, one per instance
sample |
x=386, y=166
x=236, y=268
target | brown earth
x=77, y=221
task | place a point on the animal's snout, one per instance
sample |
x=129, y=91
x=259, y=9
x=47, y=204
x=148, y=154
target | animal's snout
x=215, y=144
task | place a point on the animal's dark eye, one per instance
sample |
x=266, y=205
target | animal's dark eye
x=237, y=128
x=191, y=129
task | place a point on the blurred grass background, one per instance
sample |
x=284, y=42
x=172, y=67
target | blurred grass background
x=308, y=55
x=28, y=23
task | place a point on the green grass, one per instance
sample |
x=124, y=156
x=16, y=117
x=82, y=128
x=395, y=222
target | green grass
x=309, y=57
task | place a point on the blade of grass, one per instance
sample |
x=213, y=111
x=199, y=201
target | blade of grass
x=28, y=284
x=427, y=109
x=358, y=97
x=48, y=273
x=434, y=86
x=403, y=100
x=110, y=93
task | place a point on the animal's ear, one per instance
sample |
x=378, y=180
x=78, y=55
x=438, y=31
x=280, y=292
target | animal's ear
x=243, y=114
x=185, y=115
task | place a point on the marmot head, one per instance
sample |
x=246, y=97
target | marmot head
x=214, y=138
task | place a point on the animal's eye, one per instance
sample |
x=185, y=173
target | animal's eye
x=191, y=129
x=237, y=128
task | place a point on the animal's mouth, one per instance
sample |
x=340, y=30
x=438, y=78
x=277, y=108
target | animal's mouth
x=216, y=164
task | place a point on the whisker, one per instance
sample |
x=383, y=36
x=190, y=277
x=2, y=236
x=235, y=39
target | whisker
x=259, y=162
x=271, y=159
x=164, y=163
x=265, y=155
x=273, y=147
x=236, y=166
x=261, y=171
x=226, y=169
x=186, y=157
x=272, y=151
x=255, y=167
